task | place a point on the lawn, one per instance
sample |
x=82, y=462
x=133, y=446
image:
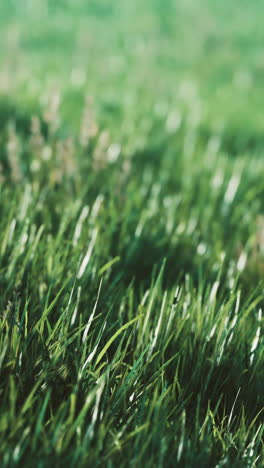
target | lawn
x=131, y=233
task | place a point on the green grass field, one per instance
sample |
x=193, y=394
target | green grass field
x=131, y=233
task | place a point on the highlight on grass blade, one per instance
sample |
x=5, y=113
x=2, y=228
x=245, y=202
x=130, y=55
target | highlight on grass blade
x=108, y=265
x=116, y=334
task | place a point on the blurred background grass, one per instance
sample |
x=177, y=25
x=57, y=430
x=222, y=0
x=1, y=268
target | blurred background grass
x=136, y=56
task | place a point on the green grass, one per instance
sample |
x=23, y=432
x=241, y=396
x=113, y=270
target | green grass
x=131, y=234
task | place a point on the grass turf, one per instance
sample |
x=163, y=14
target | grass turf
x=131, y=234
